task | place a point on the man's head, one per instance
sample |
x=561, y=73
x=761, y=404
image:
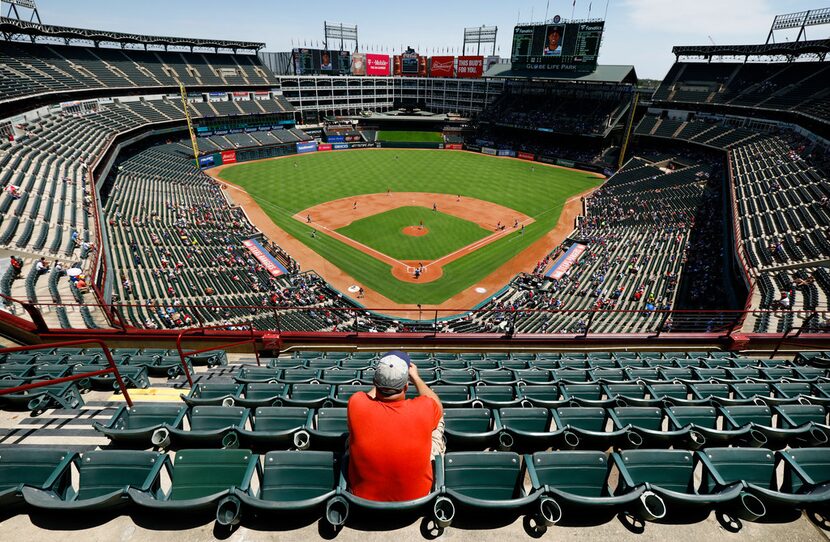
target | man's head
x=553, y=39
x=392, y=374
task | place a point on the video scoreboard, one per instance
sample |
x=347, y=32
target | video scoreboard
x=321, y=62
x=557, y=45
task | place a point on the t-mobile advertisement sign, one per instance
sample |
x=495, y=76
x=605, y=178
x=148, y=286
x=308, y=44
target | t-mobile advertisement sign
x=470, y=66
x=377, y=64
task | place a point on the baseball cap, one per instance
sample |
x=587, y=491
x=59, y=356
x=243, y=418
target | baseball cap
x=392, y=373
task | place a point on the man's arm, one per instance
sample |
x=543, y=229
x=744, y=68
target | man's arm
x=421, y=386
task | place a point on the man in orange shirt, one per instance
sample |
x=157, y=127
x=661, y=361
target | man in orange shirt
x=392, y=440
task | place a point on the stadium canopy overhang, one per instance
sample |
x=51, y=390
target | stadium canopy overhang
x=16, y=29
x=789, y=49
x=610, y=74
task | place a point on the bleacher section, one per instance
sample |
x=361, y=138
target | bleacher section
x=637, y=234
x=795, y=86
x=27, y=69
x=783, y=215
x=600, y=430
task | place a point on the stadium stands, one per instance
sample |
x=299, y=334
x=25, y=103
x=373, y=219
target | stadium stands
x=734, y=417
x=29, y=69
x=781, y=197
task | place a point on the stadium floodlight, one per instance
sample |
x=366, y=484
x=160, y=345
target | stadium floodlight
x=800, y=20
x=340, y=31
x=27, y=4
x=478, y=35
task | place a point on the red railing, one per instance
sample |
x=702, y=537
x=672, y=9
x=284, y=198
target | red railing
x=183, y=355
x=113, y=368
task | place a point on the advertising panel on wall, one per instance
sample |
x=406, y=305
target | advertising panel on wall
x=506, y=152
x=324, y=146
x=361, y=145
x=470, y=66
x=377, y=65
x=490, y=151
x=454, y=146
x=206, y=161
x=228, y=157
x=396, y=65
x=340, y=146
x=264, y=257
x=442, y=66
x=566, y=261
x=526, y=155
x=335, y=139
x=303, y=148
x=358, y=64
x=474, y=148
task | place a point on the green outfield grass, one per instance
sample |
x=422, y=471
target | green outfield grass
x=289, y=185
x=411, y=137
x=383, y=232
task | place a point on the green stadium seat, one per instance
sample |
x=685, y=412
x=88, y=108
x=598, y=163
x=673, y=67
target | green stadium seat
x=28, y=466
x=644, y=427
x=200, y=479
x=486, y=487
x=670, y=475
x=329, y=431
x=585, y=428
x=276, y=428
x=495, y=396
x=807, y=473
x=527, y=430
x=578, y=483
x=104, y=476
x=210, y=427
x=37, y=400
x=134, y=426
x=471, y=428
x=703, y=424
x=213, y=393
x=292, y=485
x=263, y=394
x=308, y=395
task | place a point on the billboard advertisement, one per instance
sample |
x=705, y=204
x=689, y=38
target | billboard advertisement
x=228, y=157
x=489, y=150
x=396, y=65
x=358, y=64
x=340, y=146
x=324, y=147
x=454, y=146
x=264, y=258
x=206, y=161
x=526, y=155
x=507, y=152
x=470, y=66
x=377, y=64
x=566, y=261
x=303, y=148
x=442, y=66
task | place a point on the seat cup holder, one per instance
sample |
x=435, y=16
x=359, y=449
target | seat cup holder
x=651, y=507
x=634, y=438
x=337, y=511
x=302, y=440
x=228, y=401
x=160, y=438
x=230, y=441
x=697, y=438
x=750, y=507
x=444, y=512
x=759, y=439
x=550, y=513
x=228, y=511
x=505, y=441
x=571, y=439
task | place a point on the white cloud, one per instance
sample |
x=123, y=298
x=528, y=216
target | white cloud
x=732, y=18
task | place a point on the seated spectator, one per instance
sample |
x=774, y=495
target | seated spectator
x=41, y=266
x=17, y=265
x=392, y=439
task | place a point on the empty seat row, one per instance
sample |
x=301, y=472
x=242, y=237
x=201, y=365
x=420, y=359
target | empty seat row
x=509, y=428
x=469, y=488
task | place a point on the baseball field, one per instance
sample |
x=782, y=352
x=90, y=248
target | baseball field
x=375, y=214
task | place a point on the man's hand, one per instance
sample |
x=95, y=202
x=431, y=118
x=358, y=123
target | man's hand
x=413, y=372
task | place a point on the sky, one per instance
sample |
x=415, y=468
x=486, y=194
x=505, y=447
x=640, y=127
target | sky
x=638, y=32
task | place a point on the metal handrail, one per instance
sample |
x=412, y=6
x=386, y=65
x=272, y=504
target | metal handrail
x=113, y=368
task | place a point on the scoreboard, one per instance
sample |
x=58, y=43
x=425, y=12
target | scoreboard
x=557, y=45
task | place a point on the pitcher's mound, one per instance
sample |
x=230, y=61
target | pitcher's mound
x=415, y=231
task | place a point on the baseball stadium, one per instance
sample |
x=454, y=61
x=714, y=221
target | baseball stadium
x=349, y=288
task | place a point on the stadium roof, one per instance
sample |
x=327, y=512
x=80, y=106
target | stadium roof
x=13, y=27
x=603, y=74
x=790, y=48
